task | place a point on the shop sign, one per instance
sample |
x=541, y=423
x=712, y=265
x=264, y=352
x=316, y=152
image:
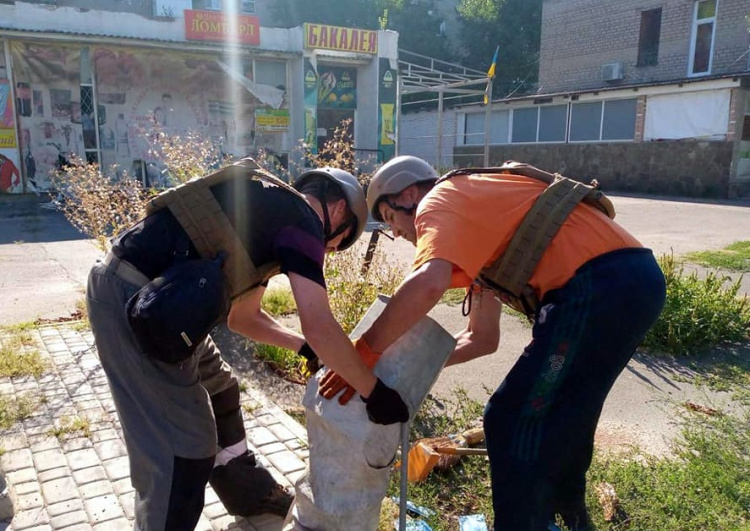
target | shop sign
x=272, y=120
x=217, y=26
x=342, y=39
x=7, y=123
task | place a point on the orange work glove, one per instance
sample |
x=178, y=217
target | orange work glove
x=332, y=384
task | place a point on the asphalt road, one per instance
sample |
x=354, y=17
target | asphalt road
x=45, y=263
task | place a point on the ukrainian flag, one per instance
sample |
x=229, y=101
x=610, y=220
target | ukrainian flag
x=491, y=71
x=491, y=75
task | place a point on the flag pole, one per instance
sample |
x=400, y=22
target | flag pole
x=487, y=115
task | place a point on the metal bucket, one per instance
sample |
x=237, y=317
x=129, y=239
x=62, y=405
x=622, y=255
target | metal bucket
x=350, y=457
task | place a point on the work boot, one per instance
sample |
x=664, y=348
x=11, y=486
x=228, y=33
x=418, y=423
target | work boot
x=276, y=502
x=246, y=488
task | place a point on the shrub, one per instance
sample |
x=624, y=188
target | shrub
x=99, y=206
x=351, y=291
x=698, y=313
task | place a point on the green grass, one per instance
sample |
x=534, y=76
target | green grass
x=453, y=297
x=13, y=410
x=699, y=314
x=70, y=426
x=706, y=487
x=284, y=362
x=14, y=361
x=734, y=257
x=278, y=302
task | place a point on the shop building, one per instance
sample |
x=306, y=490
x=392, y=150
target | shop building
x=94, y=80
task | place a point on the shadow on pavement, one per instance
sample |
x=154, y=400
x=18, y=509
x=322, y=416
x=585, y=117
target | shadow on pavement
x=24, y=219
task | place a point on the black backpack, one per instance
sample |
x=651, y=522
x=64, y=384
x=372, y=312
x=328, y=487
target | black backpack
x=174, y=313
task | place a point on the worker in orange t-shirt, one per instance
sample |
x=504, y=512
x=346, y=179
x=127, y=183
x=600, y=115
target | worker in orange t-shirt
x=599, y=290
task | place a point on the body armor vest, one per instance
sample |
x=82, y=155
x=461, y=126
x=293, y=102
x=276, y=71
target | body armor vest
x=208, y=227
x=510, y=273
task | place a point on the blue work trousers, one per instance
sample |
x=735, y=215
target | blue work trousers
x=540, y=422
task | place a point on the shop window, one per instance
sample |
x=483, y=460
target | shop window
x=702, y=43
x=585, y=121
x=648, y=42
x=271, y=73
x=525, y=123
x=553, y=121
x=618, y=121
x=499, y=126
x=474, y=129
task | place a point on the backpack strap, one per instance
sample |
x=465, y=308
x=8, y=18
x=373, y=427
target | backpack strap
x=201, y=217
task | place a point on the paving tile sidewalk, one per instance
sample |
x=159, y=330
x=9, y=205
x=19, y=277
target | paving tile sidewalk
x=76, y=482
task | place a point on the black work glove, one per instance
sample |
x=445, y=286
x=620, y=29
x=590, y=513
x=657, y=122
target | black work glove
x=385, y=406
x=311, y=364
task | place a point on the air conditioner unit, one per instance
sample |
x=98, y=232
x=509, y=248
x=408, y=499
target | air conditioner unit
x=612, y=71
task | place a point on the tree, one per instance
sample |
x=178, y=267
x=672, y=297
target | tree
x=515, y=26
x=354, y=13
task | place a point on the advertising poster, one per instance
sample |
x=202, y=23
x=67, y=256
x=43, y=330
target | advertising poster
x=337, y=88
x=311, y=107
x=7, y=123
x=48, y=102
x=272, y=120
x=387, y=110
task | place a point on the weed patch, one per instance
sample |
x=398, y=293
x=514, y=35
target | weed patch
x=70, y=426
x=698, y=313
x=734, y=257
x=13, y=410
x=706, y=487
x=285, y=363
x=278, y=302
x=14, y=361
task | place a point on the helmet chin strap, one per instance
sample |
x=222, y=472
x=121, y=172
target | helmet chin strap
x=327, y=234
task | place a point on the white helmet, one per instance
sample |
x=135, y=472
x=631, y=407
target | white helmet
x=394, y=176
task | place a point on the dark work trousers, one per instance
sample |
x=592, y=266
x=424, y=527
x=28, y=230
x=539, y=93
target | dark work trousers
x=169, y=413
x=540, y=422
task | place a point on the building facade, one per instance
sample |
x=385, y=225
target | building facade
x=644, y=95
x=101, y=80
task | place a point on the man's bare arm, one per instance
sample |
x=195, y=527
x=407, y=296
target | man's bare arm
x=325, y=336
x=246, y=317
x=416, y=296
x=482, y=333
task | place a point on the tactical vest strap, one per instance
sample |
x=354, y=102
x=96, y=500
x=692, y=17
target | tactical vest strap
x=200, y=215
x=510, y=273
x=512, y=270
x=593, y=197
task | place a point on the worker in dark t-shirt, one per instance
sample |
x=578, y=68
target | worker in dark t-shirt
x=182, y=422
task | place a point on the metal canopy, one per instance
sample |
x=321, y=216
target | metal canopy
x=426, y=75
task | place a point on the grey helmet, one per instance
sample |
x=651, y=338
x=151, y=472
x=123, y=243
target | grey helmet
x=394, y=176
x=353, y=194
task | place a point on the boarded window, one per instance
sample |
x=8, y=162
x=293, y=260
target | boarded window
x=648, y=42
